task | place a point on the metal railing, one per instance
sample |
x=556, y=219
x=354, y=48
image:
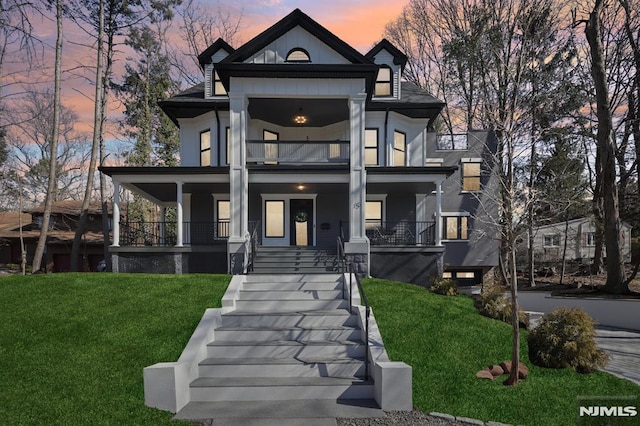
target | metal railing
x=254, y=242
x=403, y=233
x=346, y=266
x=273, y=152
x=164, y=233
x=452, y=142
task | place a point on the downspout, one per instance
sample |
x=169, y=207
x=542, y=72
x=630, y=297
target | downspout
x=218, y=135
x=386, y=135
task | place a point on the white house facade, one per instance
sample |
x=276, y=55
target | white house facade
x=295, y=139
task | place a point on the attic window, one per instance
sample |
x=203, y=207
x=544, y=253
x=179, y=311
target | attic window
x=217, y=88
x=298, y=54
x=384, y=86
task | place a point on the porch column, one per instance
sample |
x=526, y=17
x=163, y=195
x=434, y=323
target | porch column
x=358, y=174
x=186, y=218
x=421, y=217
x=179, y=202
x=238, y=184
x=116, y=214
x=438, y=230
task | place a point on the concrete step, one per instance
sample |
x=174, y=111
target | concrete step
x=279, y=388
x=284, y=268
x=289, y=305
x=286, y=349
x=291, y=278
x=338, y=317
x=295, y=286
x=282, y=367
x=268, y=294
x=249, y=334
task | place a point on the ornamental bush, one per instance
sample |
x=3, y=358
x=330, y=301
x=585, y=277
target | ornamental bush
x=444, y=286
x=566, y=338
x=494, y=303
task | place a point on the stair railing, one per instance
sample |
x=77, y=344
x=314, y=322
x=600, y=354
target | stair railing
x=253, y=244
x=346, y=266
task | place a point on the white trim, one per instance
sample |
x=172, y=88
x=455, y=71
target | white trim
x=298, y=177
x=471, y=160
x=405, y=178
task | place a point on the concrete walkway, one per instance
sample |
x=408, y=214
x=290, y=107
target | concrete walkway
x=623, y=347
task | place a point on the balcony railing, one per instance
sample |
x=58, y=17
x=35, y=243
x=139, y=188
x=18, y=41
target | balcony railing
x=275, y=152
x=164, y=233
x=401, y=233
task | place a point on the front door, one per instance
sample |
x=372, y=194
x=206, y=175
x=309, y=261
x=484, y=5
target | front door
x=301, y=222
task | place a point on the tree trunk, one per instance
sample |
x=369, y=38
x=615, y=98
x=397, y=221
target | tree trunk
x=564, y=250
x=605, y=140
x=97, y=136
x=51, y=186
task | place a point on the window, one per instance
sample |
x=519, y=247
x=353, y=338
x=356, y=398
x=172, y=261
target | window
x=373, y=214
x=399, y=148
x=228, y=144
x=274, y=219
x=205, y=148
x=455, y=227
x=298, y=54
x=590, y=239
x=384, y=86
x=270, y=149
x=552, y=240
x=223, y=214
x=217, y=87
x=371, y=147
x=471, y=176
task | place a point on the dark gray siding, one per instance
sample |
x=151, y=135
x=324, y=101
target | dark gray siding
x=411, y=267
x=331, y=208
x=201, y=208
x=401, y=206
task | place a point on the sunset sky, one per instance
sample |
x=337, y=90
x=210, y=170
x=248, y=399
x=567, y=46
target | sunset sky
x=358, y=22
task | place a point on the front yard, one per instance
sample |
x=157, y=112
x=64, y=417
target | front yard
x=73, y=346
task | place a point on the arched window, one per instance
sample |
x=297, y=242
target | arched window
x=298, y=54
x=384, y=82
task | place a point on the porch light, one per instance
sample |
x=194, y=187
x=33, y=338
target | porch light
x=300, y=119
x=301, y=187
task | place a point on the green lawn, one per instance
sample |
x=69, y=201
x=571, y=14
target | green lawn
x=447, y=342
x=73, y=346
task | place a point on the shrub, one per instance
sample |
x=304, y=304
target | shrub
x=493, y=303
x=444, y=286
x=566, y=338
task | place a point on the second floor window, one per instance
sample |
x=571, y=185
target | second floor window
x=217, y=87
x=371, y=147
x=471, y=176
x=399, y=149
x=205, y=148
x=384, y=82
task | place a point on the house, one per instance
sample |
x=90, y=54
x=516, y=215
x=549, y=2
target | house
x=579, y=235
x=296, y=139
x=62, y=225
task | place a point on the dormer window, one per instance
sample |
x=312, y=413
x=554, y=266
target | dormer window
x=217, y=88
x=298, y=54
x=384, y=82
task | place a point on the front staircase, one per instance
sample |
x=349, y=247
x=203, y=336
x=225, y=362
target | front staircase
x=294, y=260
x=290, y=338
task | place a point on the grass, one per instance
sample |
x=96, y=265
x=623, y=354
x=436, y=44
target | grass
x=446, y=342
x=73, y=346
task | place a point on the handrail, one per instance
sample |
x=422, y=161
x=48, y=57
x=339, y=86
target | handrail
x=253, y=242
x=347, y=266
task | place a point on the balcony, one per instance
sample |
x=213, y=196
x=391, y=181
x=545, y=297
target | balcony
x=297, y=152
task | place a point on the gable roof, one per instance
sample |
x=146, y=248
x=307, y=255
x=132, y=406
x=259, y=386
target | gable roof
x=205, y=57
x=399, y=58
x=296, y=18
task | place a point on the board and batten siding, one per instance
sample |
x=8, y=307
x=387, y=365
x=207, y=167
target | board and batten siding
x=276, y=51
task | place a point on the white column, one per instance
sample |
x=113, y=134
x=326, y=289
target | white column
x=179, y=202
x=238, y=177
x=421, y=216
x=358, y=174
x=116, y=214
x=186, y=217
x=438, y=230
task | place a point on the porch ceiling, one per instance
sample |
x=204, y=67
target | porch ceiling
x=406, y=187
x=166, y=192
x=293, y=188
x=280, y=111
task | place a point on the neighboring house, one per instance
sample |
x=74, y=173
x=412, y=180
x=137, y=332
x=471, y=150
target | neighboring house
x=294, y=139
x=62, y=225
x=579, y=234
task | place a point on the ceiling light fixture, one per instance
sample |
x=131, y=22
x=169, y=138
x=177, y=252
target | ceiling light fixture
x=300, y=119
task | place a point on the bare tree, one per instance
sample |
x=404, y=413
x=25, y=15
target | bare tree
x=42, y=241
